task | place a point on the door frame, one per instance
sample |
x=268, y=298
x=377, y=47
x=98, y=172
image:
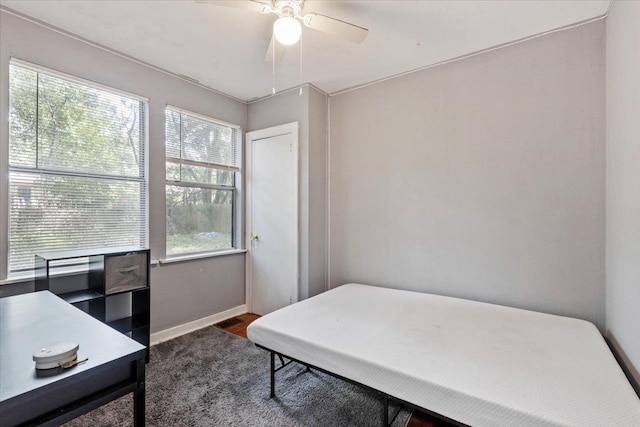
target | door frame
x=289, y=128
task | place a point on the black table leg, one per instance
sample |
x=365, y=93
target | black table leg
x=138, y=396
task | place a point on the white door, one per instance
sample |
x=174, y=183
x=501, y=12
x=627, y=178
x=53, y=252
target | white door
x=272, y=218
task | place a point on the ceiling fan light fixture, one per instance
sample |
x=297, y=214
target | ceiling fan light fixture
x=287, y=30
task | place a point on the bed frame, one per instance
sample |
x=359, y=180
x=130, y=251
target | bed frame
x=623, y=364
x=387, y=419
x=312, y=333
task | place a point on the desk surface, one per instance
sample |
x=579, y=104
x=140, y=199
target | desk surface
x=35, y=320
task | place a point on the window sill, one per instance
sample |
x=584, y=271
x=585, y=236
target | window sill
x=61, y=271
x=18, y=278
x=192, y=257
x=71, y=270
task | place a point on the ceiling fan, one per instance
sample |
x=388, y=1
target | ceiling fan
x=287, y=29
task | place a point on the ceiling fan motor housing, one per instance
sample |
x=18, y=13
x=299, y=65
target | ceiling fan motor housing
x=286, y=8
x=289, y=14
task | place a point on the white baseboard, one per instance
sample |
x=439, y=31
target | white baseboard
x=176, y=331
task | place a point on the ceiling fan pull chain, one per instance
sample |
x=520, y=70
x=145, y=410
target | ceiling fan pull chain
x=273, y=66
x=300, y=65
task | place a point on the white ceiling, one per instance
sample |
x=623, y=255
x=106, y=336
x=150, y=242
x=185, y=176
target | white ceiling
x=224, y=48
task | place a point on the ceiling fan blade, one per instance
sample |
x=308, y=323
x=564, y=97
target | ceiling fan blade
x=336, y=27
x=271, y=55
x=253, y=5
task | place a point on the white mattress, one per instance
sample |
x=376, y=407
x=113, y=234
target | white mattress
x=476, y=363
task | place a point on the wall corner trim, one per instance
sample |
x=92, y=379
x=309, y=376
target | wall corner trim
x=472, y=54
x=185, y=328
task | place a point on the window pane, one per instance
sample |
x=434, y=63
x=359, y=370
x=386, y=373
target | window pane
x=206, y=175
x=22, y=117
x=208, y=142
x=64, y=126
x=51, y=212
x=198, y=219
x=84, y=129
x=172, y=172
x=172, y=133
x=199, y=174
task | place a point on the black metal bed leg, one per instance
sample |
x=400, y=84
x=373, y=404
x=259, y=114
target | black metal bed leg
x=385, y=415
x=389, y=419
x=273, y=375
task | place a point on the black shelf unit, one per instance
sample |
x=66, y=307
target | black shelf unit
x=76, y=297
x=111, y=272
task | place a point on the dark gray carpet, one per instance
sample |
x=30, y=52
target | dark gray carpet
x=211, y=377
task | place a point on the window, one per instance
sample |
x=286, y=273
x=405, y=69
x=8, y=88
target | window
x=201, y=166
x=77, y=156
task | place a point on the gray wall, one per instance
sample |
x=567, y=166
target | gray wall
x=181, y=292
x=623, y=180
x=482, y=178
x=195, y=289
x=309, y=110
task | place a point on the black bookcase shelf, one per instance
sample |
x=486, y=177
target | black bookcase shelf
x=76, y=297
x=112, y=272
x=129, y=324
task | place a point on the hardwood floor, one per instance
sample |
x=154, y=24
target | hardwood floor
x=238, y=326
x=419, y=419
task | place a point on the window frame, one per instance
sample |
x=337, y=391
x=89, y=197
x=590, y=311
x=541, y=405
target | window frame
x=6, y=276
x=236, y=188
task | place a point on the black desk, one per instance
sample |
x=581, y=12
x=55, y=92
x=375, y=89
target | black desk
x=115, y=366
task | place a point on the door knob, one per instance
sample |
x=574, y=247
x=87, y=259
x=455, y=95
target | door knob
x=253, y=237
